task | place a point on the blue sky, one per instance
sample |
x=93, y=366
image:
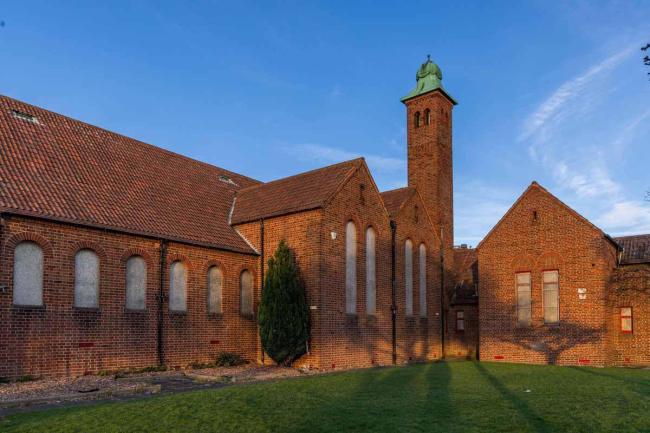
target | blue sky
x=548, y=91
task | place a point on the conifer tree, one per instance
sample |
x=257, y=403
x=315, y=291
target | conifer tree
x=283, y=311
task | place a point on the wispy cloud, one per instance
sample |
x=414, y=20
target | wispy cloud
x=627, y=217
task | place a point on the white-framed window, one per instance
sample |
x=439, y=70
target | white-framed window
x=136, y=283
x=86, y=279
x=551, y=296
x=408, y=277
x=246, y=293
x=178, y=286
x=626, y=320
x=524, y=314
x=371, y=271
x=422, y=268
x=350, y=268
x=215, y=290
x=28, y=274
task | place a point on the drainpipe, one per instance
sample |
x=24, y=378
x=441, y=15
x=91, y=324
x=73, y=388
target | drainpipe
x=261, y=274
x=442, y=294
x=161, y=299
x=393, y=283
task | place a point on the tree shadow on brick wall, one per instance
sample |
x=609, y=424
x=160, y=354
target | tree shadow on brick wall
x=551, y=341
x=630, y=280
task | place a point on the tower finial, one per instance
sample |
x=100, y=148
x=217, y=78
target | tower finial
x=428, y=57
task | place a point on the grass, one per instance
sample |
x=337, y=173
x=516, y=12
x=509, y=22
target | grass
x=444, y=397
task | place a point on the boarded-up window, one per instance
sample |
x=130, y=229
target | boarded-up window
x=246, y=293
x=28, y=274
x=626, y=320
x=460, y=321
x=86, y=279
x=524, y=317
x=408, y=276
x=350, y=268
x=371, y=273
x=136, y=283
x=215, y=287
x=178, y=286
x=551, y=300
x=423, y=280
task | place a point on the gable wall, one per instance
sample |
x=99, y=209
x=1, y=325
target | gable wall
x=557, y=240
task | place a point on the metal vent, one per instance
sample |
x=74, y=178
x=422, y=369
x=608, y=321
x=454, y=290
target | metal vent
x=226, y=179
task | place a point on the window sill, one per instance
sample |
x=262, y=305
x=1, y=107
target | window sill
x=28, y=307
x=135, y=310
x=86, y=309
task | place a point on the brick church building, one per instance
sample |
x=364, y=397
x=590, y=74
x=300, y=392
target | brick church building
x=117, y=254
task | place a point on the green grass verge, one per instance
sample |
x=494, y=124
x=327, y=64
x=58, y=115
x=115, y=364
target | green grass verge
x=445, y=397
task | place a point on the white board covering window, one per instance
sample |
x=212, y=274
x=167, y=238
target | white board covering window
x=350, y=268
x=423, y=280
x=551, y=299
x=215, y=287
x=28, y=274
x=371, y=272
x=136, y=283
x=86, y=279
x=246, y=302
x=408, y=276
x=178, y=286
x=524, y=317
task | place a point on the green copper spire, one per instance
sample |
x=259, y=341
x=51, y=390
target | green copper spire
x=429, y=78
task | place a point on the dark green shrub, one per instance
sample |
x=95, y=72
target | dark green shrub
x=227, y=359
x=283, y=312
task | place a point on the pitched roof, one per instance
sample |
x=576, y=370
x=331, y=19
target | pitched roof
x=304, y=191
x=535, y=185
x=395, y=199
x=55, y=167
x=636, y=249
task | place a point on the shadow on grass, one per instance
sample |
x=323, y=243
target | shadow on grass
x=642, y=383
x=534, y=420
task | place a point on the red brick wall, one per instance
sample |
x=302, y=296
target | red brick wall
x=557, y=239
x=630, y=287
x=462, y=344
x=61, y=340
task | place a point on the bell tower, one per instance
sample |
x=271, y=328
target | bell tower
x=430, y=170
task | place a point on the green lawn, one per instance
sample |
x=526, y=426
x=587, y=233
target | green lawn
x=446, y=397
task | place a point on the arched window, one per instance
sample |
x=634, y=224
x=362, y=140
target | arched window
x=246, y=287
x=423, y=280
x=215, y=287
x=371, y=275
x=350, y=268
x=86, y=279
x=178, y=286
x=28, y=274
x=427, y=116
x=408, y=276
x=136, y=283
x=416, y=119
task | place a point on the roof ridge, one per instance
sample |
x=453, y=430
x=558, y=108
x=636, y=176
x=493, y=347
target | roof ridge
x=140, y=142
x=271, y=182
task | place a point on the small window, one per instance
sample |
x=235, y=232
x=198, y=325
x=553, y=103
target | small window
x=626, y=320
x=24, y=116
x=408, y=276
x=215, y=288
x=136, y=283
x=416, y=119
x=28, y=274
x=427, y=116
x=178, y=287
x=524, y=317
x=460, y=321
x=371, y=275
x=551, y=298
x=246, y=284
x=350, y=268
x=86, y=279
x=423, y=280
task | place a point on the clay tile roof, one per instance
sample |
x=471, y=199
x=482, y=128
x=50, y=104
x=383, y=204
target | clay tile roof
x=636, y=249
x=304, y=191
x=58, y=168
x=395, y=198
